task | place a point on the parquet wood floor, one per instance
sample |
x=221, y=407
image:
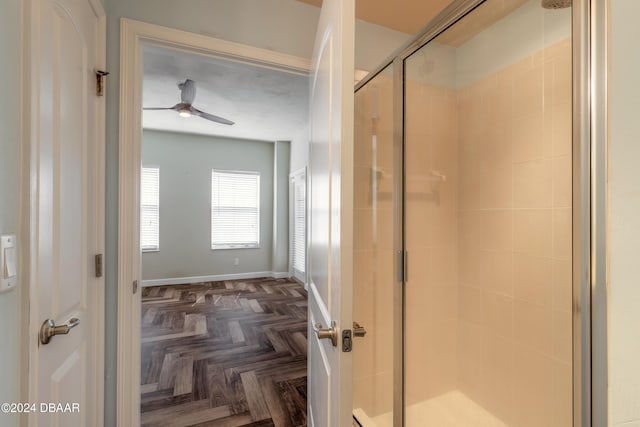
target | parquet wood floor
x=224, y=354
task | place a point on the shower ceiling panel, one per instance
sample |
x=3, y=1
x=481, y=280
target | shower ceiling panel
x=477, y=22
x=407, y=16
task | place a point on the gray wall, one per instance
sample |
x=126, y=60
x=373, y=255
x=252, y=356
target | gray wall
x=300, y=150
x=185, y=162
x=10, y=80
x=280, y=261
x=285, y=26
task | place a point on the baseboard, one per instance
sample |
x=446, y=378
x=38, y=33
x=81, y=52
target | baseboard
x=280, y=275
x=214, y=278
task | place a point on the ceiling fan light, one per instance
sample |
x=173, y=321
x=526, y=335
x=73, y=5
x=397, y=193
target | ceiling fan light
x=184, y=113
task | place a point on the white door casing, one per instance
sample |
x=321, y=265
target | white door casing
x=330, y=250
x=133, y=35
x=65, y=146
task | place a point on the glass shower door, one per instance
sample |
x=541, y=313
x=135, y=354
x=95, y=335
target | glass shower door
x=488, y=196
x=376, y=297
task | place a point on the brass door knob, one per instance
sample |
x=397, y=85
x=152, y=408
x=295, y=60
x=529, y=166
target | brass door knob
x=49, y=329
x=327, y=333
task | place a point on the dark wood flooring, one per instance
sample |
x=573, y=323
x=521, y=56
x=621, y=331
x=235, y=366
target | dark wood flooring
x=224, y=354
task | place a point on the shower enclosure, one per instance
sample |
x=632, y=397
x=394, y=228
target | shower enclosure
x=468, y=183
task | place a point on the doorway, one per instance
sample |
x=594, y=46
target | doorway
x=138, y=37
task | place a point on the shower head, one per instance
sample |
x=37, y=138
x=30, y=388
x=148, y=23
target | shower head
x=555, y=4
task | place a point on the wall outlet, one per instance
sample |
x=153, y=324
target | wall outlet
x=236, y=261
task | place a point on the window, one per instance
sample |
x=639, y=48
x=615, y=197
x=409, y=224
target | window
x=235, y=209
x=297, y=240
x=150, y=209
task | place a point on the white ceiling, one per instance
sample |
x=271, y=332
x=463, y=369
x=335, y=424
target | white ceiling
x=265, y=104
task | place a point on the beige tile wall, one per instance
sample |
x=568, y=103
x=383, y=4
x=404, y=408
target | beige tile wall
x=431, y=311
x=488, y=295
x=515, y=240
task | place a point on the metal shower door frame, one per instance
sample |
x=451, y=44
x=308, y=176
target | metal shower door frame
x=589, y=43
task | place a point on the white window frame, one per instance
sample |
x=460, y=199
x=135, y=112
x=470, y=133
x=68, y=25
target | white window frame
x=297, y=179
x=156, y=247
x=235, y=245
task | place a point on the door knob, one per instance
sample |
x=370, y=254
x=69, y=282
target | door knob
x=327, y=333
x=359, y=330
x=49, y=329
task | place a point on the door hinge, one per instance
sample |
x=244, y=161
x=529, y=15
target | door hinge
x=100, y=75
x=98, y=265
x=135, y=286
x=347, y=342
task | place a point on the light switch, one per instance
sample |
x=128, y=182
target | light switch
x=8, y=262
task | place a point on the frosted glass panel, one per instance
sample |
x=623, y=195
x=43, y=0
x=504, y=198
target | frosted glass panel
x=373, y=252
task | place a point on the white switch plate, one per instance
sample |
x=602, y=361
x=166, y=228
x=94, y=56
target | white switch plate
x=8, y=264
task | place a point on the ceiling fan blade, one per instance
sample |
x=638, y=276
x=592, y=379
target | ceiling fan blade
x=187, y=91
x=160, y=108
x=211, y=117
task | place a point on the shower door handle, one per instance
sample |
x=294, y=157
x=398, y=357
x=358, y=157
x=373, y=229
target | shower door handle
x=327, y=333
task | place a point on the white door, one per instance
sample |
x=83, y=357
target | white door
x=66, y=45
x=331, y=214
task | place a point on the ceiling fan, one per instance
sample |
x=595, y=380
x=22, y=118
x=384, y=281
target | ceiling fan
x=185, y=109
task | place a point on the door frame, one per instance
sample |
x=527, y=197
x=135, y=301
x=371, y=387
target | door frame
x=28, y=229
x=589, y=177
x=133, y=35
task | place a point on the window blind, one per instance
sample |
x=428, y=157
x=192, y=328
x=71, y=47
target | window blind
x=235, y=209
x=150, y=209
x=298, y=240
